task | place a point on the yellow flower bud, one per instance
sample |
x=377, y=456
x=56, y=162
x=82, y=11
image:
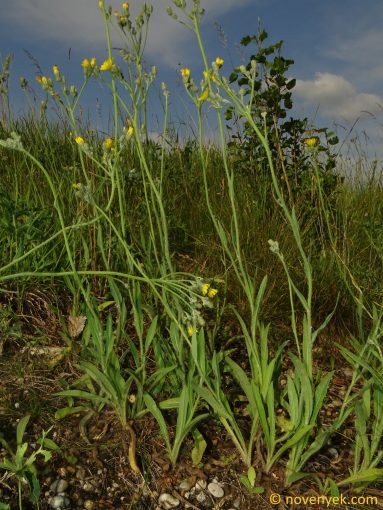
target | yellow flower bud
x=85, y=63
x=219, y=61
x=93, y=62
x=79, y=140
x=125, y=6
x=56, y=72
x=190, y=330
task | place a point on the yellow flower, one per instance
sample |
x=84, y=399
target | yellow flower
x=210, y=75
x=208, y=291
x=79, y=140
x=116, y=13
x=56, y=72
x=205, y=288
x=38, y=79
x=185, y=72
x=312, y=141
x=85, y=63
x=44, y=80
x=107, y=65
x=125, y=6
x=108, y=144
x=219, y=61
x=204, y=95
x=130, y=131
x=76, y=185
x=212, y=293
x=93, y=62
x=190, y=330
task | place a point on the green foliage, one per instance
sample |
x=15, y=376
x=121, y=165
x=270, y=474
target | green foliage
x=23, y=467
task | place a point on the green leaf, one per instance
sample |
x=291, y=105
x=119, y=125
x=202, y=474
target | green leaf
x=155, y=411
x=251, y=475
x=21, y=426
x=367, y=475
x=199, y=447
x=67, y=411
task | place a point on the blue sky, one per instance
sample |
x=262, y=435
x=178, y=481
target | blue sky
x=336, y=46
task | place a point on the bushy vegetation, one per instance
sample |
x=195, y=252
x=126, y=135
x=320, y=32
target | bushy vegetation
x=199, y=276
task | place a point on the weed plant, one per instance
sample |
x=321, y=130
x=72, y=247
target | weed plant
x=237, y=284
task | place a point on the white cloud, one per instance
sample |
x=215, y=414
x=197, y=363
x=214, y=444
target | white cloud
x=337, y=98
x=78, y=23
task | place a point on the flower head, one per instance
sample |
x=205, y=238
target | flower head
x=93, y=62
x=185, y=72
x=207, y=290
x=312, y=141
x=125, y=6
x=190, y=330
x=107, y=65
x=56, y=72
x=212, y=292
x=219, y=61
x=85, y=63
x=108, y=144
x=79, y=140
x=204, y=95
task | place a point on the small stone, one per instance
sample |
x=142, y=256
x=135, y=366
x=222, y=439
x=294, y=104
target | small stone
x=333, y=453
x=59, y=485
x=185, y=485
x=88, y=487
x=201, y=497
x=59, y=502
x=237, y=503
x=201, y=485
x=80, y=473
x=89, y=504
x=215, y=490
x=167, y=501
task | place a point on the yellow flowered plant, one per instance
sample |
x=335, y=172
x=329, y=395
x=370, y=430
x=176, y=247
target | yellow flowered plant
x=93, y=62
x=219, y=61
x=85, y=63
x=190, y=330
x=107, y=65
x=125, y=6
x=79, y=140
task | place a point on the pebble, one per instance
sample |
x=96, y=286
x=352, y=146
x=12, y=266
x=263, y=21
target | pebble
x=59, y=485
x=59, y=502
x=88, y=487
x=201, y=497
x=185, y=485
x=333, y=452
x=80, y=473
x=215, y=490
x=201, y=485
x=167, y=501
